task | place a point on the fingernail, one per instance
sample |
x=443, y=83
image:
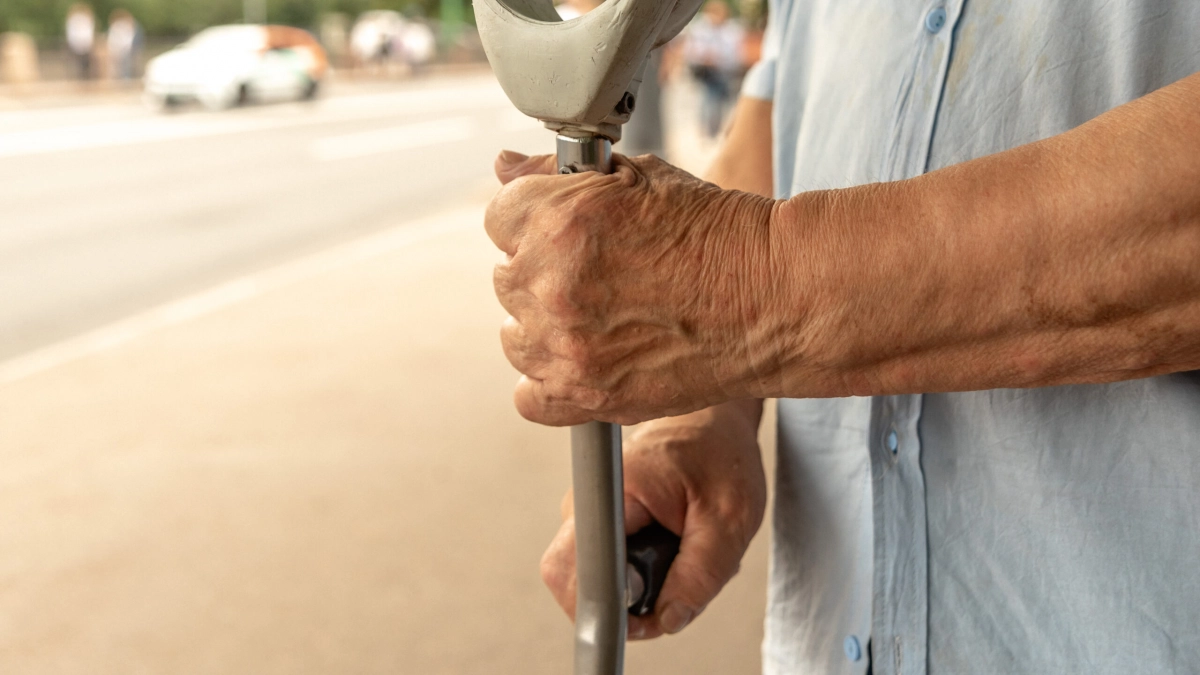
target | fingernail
x=674, y=618
x=636, y=632
x=512, y=157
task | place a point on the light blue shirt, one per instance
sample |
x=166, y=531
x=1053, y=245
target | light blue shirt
x=1051, y=530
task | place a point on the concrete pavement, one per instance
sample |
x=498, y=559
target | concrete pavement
x=254, y=417
x=324, y=475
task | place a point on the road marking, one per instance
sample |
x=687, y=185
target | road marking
x=237, y=291
x=155, y=128
x=127, y=132
x=391, y=139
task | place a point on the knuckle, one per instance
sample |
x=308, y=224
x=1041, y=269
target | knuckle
x=560, y=302
x=493, y=210
x=501, y=206
x=516, y=355
x=537, y=404
x=561, y=296
x=502, y=278
x=514, y=338
x=528, y=407
x=739, y=518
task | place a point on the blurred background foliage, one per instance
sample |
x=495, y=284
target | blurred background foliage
x=44, y=18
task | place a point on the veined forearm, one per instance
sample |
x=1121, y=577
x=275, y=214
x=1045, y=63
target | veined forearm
x=1074, y=259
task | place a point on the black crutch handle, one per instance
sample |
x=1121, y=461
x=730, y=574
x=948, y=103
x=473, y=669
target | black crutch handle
x=650, y=551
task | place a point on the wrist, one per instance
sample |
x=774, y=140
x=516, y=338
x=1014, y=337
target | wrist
x=749, y=362
x=843, y=261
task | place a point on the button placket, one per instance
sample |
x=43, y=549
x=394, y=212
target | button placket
x=900, y=606
x=921, y=90
x=939, y=24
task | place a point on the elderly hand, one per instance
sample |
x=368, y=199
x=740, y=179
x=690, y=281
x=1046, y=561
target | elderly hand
x=633, y=295
x=701, y=476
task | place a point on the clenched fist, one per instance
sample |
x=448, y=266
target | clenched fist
x=633, y=295
x=700, y=476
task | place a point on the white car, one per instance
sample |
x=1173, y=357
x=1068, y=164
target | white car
x=228, y=65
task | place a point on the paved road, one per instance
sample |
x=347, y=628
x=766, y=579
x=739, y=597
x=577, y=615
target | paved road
x=108, y=209
x=306, y=461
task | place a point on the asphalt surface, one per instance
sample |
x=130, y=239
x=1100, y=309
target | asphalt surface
x=107, y=209
x=254, y=417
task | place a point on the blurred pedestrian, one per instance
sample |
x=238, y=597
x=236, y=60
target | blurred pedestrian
x=335, y=37
x=375, y=39
x=643, y=133
x=81, y=38
x=418, y=45
x=124, y=43
x=364, y=43
x=712, y=51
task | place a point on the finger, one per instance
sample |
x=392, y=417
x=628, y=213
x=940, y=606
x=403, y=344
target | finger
x=558, y=567
x=513, y=297
x=708, y=558
x=518, y=203
x=637, y=515
x=536, y=403
x=505, y=217
x=521, y=351
x=512, y=165
x=643, y=628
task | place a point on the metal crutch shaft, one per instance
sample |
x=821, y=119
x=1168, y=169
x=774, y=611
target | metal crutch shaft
x=600, y=601
x=596, y=474
x=580, y=78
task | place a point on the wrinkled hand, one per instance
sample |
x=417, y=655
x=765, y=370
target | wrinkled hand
x=633, y=295
x=700, y=477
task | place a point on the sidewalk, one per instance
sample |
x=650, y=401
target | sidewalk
x=321, y=473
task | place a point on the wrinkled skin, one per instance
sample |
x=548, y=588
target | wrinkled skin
x=922, y=285
x=626, y=319
x=700, y=476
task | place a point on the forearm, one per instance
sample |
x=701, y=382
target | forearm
x=1074, y=259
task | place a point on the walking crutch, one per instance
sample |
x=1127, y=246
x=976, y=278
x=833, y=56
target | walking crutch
x=580, y=78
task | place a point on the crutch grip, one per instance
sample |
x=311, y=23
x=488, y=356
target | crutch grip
x=650, y=552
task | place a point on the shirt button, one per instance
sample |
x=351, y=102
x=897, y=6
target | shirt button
x=893, y=441
x=935, y=20
x=852, y=648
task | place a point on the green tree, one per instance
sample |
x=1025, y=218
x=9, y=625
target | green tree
x=44, y=19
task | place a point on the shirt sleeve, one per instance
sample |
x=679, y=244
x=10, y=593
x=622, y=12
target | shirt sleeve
x=760, y=79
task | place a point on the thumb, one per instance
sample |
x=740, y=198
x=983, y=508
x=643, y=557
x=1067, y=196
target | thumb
x=709, y=556
x=512, y=165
